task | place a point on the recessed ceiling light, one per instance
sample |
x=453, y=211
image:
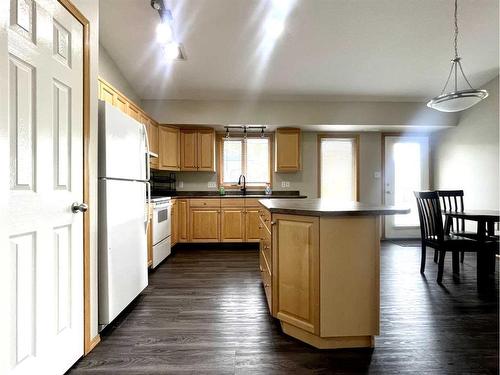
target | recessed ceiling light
x=164, y=32
x=172, y=51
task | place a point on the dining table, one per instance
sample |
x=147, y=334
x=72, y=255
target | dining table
x=485, y=233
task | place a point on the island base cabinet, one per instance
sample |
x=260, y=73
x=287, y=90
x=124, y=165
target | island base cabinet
x=350, y=269
x=296, y=270
x=324, y=277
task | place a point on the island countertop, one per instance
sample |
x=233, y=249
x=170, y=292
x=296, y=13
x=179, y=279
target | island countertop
x=326, y=207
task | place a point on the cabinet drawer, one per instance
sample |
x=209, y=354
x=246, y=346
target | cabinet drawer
x=252, y=202
x=266, y=250
x=265, y=216
x=214, y=202
x=265, y=222
x=232, y=202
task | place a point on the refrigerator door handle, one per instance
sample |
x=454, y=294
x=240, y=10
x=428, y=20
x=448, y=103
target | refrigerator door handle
x=148, y=157
x=148, y=202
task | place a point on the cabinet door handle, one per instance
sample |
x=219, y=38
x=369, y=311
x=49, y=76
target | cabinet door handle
x=273, y=223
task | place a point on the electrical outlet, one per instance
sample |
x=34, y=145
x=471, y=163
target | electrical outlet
x=212, y=184
x=377, y=174
x=181, y=184
x=285, y=184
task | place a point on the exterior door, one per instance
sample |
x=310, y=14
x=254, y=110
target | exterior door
x=41, y=239
x=406, y=171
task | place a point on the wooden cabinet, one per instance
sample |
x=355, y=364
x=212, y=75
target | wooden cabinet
x=175, y=224
x=189, y=150
x=197, y=150
x=183, y=220
x=135, y=113
x=112, y=96
x=121, y=103
x=106, y=93
x=252, y=233
x=168, y=148
x=206, y=150
x=296, y=266
x=233, y=224
x=287, y=150
x=204, y=224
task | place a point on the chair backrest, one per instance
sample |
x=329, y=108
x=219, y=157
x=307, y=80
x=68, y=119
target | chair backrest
x=429, y=213
x=453, y=200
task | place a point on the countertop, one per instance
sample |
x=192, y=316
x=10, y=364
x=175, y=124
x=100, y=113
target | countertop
x=231, y=194
x=325, y=207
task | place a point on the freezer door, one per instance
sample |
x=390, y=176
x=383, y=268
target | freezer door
x=122, y=145
x=123, y=268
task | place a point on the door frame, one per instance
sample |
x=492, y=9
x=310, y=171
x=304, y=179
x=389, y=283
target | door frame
x=89, y=342
x=382, y=185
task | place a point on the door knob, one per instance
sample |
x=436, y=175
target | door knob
x=79, y=207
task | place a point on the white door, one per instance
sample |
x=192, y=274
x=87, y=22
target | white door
x=43, y=252
x=406, y=171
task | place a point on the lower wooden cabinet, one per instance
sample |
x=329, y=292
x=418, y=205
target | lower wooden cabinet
x=175, y=224
x=233, y=224
x=252, y=233
x=183, y=220
x=204, y=224
x=296, y=270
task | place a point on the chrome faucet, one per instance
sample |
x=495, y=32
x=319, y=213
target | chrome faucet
x=244, y=187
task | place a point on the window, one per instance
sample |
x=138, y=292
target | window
x=250, y=157
x=338, y=167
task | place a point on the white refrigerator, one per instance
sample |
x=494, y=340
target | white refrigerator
x=123, y=200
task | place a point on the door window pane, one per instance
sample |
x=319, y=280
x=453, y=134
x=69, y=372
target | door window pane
x=407, y=179
x=338, y=174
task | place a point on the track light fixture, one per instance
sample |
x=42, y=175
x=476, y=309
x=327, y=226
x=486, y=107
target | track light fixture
x=245, y=129
x=165, y=33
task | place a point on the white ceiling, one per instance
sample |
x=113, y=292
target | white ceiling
x=330, y=49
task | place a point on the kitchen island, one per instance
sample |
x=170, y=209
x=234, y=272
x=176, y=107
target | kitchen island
x=319, y=262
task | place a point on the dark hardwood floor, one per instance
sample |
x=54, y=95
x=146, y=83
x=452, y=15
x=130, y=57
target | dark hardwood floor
x=204, y=312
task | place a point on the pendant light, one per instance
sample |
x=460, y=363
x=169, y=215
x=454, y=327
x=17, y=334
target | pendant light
x=457, y=100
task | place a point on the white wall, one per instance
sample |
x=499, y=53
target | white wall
x=467, y=157
x=297, y=113
x=109, y=71
x=306, y=180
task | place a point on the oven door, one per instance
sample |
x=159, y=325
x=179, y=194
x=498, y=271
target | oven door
x=161, y=222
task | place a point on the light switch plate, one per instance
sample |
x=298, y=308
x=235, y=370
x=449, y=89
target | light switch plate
x=285, y=184
x=377, y=174
x=212, y=184
x=181, y=184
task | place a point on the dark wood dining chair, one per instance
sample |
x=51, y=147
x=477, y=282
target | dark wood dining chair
x=433, y=235
x=453, y=200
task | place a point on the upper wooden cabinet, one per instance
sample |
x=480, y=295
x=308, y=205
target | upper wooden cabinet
x=206, y=150
x=189, y=150
x=168, y=148
x=198, y=150
x=288, y=150
x=136, y=114
x=112, y=96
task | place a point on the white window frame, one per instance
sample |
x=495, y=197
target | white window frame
x=240, y=137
